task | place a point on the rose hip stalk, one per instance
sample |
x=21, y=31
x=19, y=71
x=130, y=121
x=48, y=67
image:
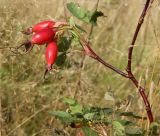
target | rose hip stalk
x=40, y=38
x=51, y=55
x=48, y=24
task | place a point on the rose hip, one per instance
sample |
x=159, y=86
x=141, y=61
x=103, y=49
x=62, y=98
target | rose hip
x=42, y=37
x=48, y=24
x=43, y=25
x=51, y=55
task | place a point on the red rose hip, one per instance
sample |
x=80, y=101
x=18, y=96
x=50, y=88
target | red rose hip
x=51, y=55
x=48, y=24
x=42, y=37
x=43, y=25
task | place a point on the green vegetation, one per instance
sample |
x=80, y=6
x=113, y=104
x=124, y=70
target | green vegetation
x=28, y=101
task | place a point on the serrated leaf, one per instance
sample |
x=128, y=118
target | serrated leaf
x=61, y=59
x=64, y=44
x=89, y=132
x=69, y=101
x=131, y=131
x=76, y=109
x=76, y=10
x=84, y=14
x=63, y=116
x=118, y=128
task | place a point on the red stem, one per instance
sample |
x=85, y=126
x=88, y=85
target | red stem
x=129, y=66
x=140, y=22
x=129, y=74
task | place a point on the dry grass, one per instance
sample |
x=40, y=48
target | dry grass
x=26, y=97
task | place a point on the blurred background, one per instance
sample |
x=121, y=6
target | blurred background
x=26, y=98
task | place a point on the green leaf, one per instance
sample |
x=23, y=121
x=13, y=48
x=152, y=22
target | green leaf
x=64, y=44
x=154, y=128
x=63, y=116
x=86, y=109
x=78, y=12
x=130, y=114
x=118, y=128
x=126, y=122
x=107, y=110
x=69, y=101
x=71, y=21
x=84, y=14
x=76, y=108
x=80, y=28
x=74, y=34
x=94, y=17
x=89, y=132
x=61, y=59
x=89, y=116
x=132, y=131
x=75, y=37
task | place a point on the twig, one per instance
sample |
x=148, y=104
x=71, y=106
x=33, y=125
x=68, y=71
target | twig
x=129, y=74
x=140, y=22
x=129, y=70
x=89, y=51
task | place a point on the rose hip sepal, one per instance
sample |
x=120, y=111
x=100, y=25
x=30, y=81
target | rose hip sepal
x=42, y=37
x=51, y=55
x=48, y=24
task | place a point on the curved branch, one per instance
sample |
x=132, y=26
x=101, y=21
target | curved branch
x=129, y=66
x=92, y=54
x=140, y=22
x=89, y=51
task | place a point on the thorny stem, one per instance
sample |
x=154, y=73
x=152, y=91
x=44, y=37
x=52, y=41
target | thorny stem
x=129, y=74
x=140, y=22
x=92, y=54
x=129, y=69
